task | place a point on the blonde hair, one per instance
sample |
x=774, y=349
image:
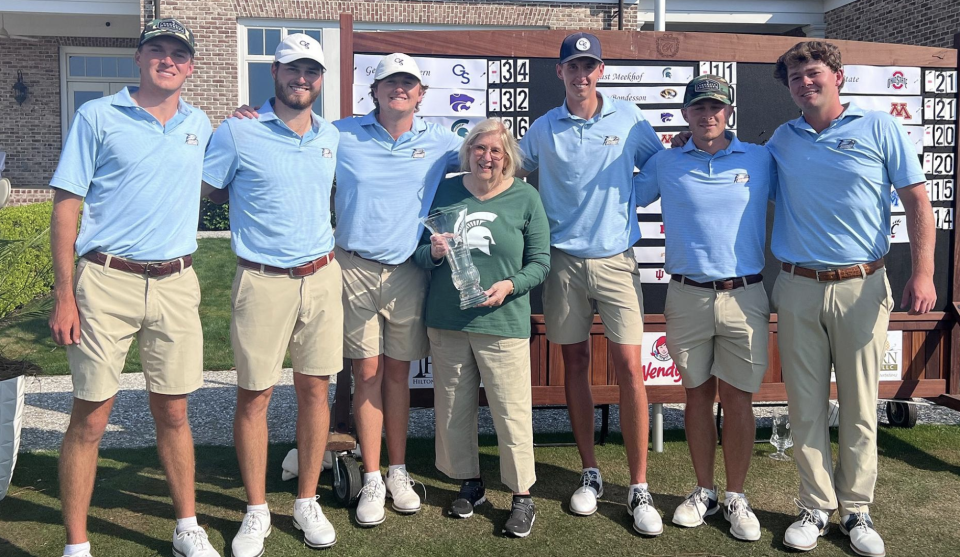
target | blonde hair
x=511, y=149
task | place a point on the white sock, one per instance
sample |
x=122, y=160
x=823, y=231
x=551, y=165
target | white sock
x=728, y=495
x=189, y=523
x=394, y=467
x=258, y=508
x=306, y=501
x=367, y=476
x=76, y=548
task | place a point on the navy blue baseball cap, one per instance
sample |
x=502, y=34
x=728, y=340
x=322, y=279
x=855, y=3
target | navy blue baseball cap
x=580, y=45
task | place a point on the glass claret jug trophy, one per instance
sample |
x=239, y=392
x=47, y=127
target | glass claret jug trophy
x=450, y=222
x=781, y=437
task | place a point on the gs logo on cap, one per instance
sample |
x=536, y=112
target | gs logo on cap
x=583, y=44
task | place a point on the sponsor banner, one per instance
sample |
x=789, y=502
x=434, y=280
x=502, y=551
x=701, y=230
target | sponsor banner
x=891, y=366
x=666, y=138
x=881, y=80
x=646, y=95
x=658, y=366
x=646, y=74
x=653, y=254
x=916, y=135
x=462, y=103
x=654, y=276
x=904, y=109
x=896, y=206
x=651, y=230
x=421, y=374
x=459, y=126
x=664, y=117
x=898, y=229
x=442, y=73
x=651, y=209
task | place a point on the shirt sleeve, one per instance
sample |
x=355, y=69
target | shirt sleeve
x=899, y=154
x=530, y=148
x=774, y=177
x=221, y=161
x=646, y=184
x=78, y=158
x=649, y=143
x=536, y=251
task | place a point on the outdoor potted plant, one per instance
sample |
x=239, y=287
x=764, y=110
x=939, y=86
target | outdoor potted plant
x=12, y=375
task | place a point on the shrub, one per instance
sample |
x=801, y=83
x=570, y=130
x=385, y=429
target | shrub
x=213, y=216
x=24, y=255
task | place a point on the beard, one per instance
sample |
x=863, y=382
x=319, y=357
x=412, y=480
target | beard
x=295, y=102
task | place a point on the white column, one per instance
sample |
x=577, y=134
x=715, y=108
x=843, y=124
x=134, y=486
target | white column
x=657, y=427
x=659, y=15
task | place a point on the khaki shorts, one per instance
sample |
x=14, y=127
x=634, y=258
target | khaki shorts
x=718, y=333
x=383, y=308
x=575, y=285
x=273, y=312
x=161, y=312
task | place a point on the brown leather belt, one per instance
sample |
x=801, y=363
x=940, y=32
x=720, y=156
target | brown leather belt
x=160, y=269
x=828, y=275
x=725, y=284
x=304, y=270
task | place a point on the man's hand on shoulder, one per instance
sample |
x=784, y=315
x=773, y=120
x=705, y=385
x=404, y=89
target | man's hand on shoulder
x=246, y=111
x=680, y=139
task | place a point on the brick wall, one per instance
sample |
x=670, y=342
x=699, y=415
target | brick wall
x=30, y=134
x=915, y=22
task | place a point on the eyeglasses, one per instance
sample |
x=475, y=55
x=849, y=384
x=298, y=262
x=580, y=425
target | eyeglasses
x=496, y=153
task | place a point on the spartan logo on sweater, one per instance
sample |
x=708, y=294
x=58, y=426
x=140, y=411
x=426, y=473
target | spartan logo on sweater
x=479, y=236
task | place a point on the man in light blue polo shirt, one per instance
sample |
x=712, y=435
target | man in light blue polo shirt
x=389, y=166
x=837, y=164
x=133, y=161
x=278, y=170
x=586, y=150
x=713, y=193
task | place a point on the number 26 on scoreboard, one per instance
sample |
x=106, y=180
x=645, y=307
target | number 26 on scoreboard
x=517, y=126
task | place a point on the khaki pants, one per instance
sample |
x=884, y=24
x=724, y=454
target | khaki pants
x=460, y=361
x=721, y=333
x=273, y=313
x=843, y=323
x=161, y=312
x=575, y=285
x=383, y=307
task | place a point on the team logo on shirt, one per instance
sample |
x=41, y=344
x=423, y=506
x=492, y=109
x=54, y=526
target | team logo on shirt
x=192, y=139
x=419, y=153
x=479, y=236
x=611, y=140
x=326, y=153
x=741, y=179
x=846, y=144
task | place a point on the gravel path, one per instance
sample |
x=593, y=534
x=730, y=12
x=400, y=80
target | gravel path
x=48, y=402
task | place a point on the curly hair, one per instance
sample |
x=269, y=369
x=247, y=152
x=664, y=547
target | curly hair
x=808, y=51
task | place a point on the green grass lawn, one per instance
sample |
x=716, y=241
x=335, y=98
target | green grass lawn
x=25, y=335
x=918, y=487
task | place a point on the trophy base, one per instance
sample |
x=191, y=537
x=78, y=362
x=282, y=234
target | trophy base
x=473, y=301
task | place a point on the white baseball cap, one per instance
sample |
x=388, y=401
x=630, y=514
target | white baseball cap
x=397, y=63
x=297, y=47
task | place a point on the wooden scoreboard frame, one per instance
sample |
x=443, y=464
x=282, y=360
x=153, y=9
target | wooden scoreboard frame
x=931, y=342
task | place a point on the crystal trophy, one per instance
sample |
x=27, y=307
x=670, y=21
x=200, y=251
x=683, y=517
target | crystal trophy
x=449, y=222
x=781, y=437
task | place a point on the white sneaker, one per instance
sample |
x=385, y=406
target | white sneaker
x=84, y=554
x=646, y=519
x=192, y=543
x=864, y=540
x=400, y=489
x=318, y=533
x=253, y=530
x=584, y=499
x=701, y=503
x=810, y=525
x=743, y=521
x=370, y=506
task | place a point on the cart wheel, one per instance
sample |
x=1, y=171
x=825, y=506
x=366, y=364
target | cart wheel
x=347, y=489
x=901, y=414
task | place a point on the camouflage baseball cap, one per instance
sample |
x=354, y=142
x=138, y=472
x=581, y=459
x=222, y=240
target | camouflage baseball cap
x=707, y=87
x=168, y=28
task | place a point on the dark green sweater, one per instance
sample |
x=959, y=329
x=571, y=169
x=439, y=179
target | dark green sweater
x=509, y=239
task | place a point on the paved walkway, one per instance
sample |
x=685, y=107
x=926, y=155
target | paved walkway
x=49, y=399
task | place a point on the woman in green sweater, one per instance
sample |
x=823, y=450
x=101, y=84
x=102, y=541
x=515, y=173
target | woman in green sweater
x=509, y=239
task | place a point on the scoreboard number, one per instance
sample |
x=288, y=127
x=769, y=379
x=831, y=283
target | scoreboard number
x=940, y=81
x=515, y=100
x=939, y=163
x=943, y=217
x=726, y=70
x=940, y=109
x=523, y=124
x=515, y=71
x=940, y=135
x=942, y=190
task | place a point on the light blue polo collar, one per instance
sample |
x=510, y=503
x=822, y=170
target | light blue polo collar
x=370, y=119
x=267, y=114
x=852, y=111
x=123, y=98
x=607, y=109
x=734, y=147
